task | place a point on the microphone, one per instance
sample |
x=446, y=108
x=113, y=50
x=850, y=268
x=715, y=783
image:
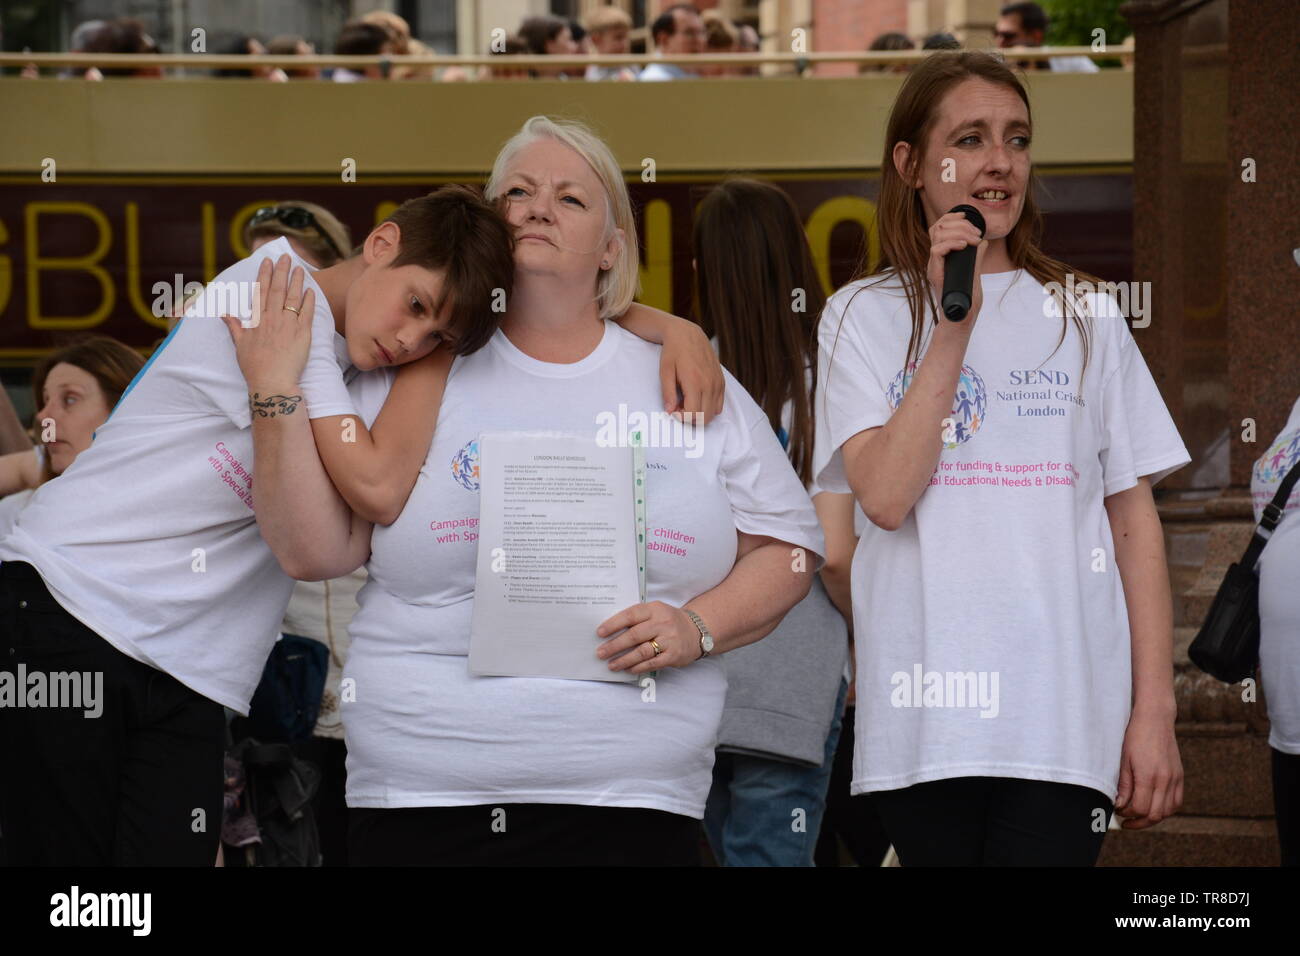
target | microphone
x=959, y=270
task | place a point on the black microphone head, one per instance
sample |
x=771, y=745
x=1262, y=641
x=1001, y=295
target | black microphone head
x=972, y=214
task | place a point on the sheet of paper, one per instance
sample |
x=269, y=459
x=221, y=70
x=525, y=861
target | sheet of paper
x=556, y=554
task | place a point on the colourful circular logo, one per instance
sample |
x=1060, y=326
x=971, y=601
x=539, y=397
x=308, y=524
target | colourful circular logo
x=1277, y=461
x=464, y=466
x=968, y=408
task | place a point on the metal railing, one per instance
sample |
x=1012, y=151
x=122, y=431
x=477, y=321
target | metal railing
x=800, y=61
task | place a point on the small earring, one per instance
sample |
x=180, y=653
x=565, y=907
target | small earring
x=604, y=264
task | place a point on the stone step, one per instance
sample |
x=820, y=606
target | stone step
x=1227, y=771
x=1194, y=841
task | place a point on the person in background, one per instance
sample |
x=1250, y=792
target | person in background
x=123, y=35
x=610, y=31
x=757, y=289
x=1025, y=24
x=512, y=46
x=313, y=231
x=887, y=42
x=941, y=41
x=319, y=610
x=849, y=820
x=289, y=44
x=422, y=72
x=74, y=390
x=581, y=45
x=359, y=38
x=13, y=437
x=398, y=30
x=677, y=31
x=77, y=41
x=719, y=37
x=1279, y=631
x=547, y=36
x=748, y=41
x=250, y=46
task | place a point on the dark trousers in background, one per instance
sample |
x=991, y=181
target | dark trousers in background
x=994, y=821
x=138, y=785
x=330, y=804
x=1286, y=805
x=522, y=834
x=852, y=821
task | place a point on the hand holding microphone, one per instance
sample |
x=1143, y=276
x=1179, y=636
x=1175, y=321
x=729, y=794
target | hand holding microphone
x=956, y=251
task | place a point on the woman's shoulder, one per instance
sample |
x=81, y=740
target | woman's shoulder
x=881, y=288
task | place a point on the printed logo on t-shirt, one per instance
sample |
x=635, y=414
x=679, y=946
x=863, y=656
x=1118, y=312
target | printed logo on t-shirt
x=969, y=403
x=464, y=466
x=1273, y=466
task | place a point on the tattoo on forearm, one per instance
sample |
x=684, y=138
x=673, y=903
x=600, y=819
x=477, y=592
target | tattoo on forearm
x=268, y=406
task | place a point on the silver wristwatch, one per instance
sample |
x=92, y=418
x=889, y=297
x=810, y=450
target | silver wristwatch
x=706, y=639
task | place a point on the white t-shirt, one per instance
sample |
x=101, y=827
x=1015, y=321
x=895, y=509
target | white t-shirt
x=988, y=593
x=1279, y=598
x=424, y=731
x=116, y=536
x=10, y=505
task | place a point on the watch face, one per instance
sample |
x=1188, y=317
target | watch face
x=707, y=641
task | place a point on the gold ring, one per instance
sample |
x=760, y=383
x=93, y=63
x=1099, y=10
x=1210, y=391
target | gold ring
x=658, y=650
x=289, y=308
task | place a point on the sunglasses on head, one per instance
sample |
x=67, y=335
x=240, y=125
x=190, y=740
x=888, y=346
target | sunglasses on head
x=295, y=217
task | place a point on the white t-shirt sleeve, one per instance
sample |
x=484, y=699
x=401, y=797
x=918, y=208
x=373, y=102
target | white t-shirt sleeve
x=1139, y=438
x=850, y=396
x=766, y=495
x=322, y=382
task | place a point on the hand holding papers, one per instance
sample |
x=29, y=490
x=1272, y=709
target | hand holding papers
x=557, y=554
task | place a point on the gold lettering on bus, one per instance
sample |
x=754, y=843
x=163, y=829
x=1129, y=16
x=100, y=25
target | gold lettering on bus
x=237, y=222
x=657, y=273
x=87, y=263
x=133, y=269
x=830, y=214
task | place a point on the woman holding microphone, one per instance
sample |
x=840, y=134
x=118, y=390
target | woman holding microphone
x=1010, y=595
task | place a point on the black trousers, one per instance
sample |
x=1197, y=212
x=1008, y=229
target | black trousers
x=330, y=804
x=1286, y=804
x=522, y=834
x=995, y=821
x=138, y=785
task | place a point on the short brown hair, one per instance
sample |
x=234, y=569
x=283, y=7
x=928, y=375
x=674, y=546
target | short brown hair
x=455, y=231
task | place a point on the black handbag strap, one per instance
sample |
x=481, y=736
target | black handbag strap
x=1271, y=516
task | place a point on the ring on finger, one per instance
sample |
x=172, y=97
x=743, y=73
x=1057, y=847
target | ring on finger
x=289, y=308
x=658, y=650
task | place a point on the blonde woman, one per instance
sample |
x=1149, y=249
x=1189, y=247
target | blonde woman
x=445, y=767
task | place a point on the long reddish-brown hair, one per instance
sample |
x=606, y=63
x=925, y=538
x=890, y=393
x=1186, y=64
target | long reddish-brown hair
x=111, y=363
x=904, y=235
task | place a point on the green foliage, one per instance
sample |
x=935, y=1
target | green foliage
x=1071, y=22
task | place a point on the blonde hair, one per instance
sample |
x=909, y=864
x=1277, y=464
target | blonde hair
x=398, y=30
x=606, y=18
x=618, y=285
x=322, y=251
